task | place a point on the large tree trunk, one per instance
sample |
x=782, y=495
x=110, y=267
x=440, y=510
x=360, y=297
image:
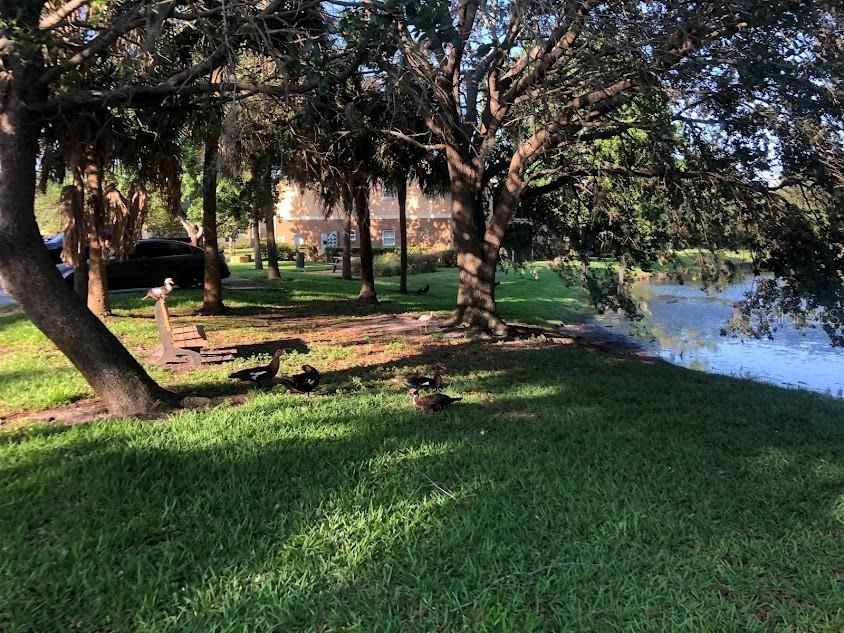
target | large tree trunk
x=401, y=193
x=98, y=300
x=256, y=244
x=347, y=237
x=212, y=301
x=367, y=270
x=269, y=220
x=30, y=277
x=476, y=260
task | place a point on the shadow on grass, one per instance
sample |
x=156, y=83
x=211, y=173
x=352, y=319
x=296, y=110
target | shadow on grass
x=269, y=347
x=11, y=315
x=569, y=491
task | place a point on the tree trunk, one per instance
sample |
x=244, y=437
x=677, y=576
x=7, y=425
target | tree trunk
x=367, y=270
x=98, y=300
x=401, y=193
x=256, y=244
x=80, y=274
x=194, y=232
x=80, y=277
x=476, y=263
x=31, y=279
x=347, y=237
x=269, y=220
x=212, y=301
x=273, y=271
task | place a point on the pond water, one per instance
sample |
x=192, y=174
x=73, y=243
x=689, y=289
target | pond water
x=682, y=325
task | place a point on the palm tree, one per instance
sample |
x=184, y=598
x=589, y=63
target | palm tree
x=402, y=162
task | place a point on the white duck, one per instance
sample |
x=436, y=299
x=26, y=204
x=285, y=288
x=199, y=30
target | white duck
x=162, y=291
x=425, y=320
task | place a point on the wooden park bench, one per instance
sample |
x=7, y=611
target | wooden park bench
x=183, y=344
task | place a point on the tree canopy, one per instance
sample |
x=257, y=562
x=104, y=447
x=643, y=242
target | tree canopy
x=732, y=98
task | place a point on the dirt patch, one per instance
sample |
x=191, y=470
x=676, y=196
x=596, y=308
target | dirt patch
x=391, y=341
x=80, y=412
x=92, y=410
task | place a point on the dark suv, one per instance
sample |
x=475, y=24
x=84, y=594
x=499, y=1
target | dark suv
x=153, y=261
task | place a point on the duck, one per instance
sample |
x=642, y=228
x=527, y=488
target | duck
x=424, y=320
x=425, y=290
x=431, y=402
x=162, y=291
x=417, y=381
x=262, y=374
x=306, y=382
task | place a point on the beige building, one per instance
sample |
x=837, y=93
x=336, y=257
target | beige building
x=300, y=220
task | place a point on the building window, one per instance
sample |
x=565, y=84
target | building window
x=388, y=238
x=328, y=240
x=353, y=235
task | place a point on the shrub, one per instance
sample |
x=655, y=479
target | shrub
x=422, y=263
x=447, y=258
x=286, y=252
x=311, y=252
x=337, y=251
x=389, y=264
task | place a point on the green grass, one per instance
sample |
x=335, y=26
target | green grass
x=34, y=375
x=569, y=491
x=543, y=301
x=688, y=263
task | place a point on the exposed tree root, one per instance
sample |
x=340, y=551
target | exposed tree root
x=479, y=320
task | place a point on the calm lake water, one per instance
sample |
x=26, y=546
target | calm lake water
x=682, y=325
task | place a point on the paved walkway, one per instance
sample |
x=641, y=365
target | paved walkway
x=235, y=283
x=239, y=283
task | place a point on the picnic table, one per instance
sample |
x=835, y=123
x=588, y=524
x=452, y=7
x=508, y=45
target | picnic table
x=337, y=262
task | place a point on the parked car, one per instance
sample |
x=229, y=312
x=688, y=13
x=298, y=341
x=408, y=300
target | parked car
x=152, y=262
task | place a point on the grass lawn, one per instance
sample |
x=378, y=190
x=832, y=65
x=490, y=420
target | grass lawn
x=34, y=375
x=569, y=491
x=688, y=264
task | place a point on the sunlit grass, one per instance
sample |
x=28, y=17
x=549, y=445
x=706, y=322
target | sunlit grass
x=34, y=375
x=542, y=301
x=569, y=491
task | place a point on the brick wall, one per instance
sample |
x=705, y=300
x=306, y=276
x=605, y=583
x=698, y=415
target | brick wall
x=426, y=233
x=428, y=219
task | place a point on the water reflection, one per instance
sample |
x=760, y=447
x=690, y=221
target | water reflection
x=683, y=325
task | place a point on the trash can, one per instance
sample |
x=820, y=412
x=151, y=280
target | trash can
x=300, y=260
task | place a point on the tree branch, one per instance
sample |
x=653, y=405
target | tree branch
x=413, y=141
x=122, y=25
x=54, y=19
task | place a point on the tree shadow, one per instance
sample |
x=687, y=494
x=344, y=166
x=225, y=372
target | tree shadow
x=10, y=316
x=289, y=345
x=566, y=488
